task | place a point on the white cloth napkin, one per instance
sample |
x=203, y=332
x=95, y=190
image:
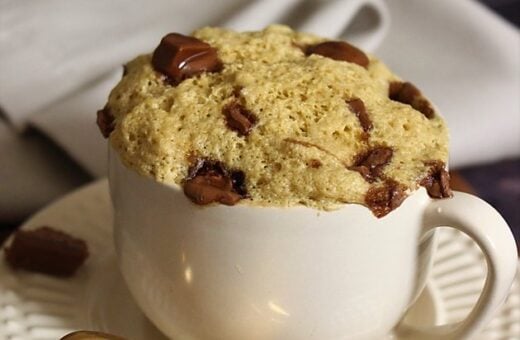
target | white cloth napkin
x=32, y=173
x=467, y=60
x=50, y=48
x=59, y=58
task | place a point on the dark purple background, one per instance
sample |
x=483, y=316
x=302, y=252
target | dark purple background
x=509, y=9
x=499, y=183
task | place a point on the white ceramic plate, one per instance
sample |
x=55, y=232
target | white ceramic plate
x=37, y=307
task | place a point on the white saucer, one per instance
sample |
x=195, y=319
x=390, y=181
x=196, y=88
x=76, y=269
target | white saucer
x=37, y=307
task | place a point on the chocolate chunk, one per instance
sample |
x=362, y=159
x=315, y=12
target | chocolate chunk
x=125, y=70
x=382, y=200
x=180, y=57
x=370, y=164
x=46, y=250
x=207, y=189
x=209, y=181
x=90, y=335
x=437, y=181
x=358, y=108
x=105, y=121
x=314, y=163
x=238, y=118
x=238, y=181
x=407, y=93
x=340, y=50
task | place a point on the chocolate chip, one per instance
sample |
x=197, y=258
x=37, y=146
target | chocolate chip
x=208, y=189
x=209, y=181
x=105, y=121
x=383, y=199
x=437, y=181
x=125, y=70
x=370, y=164
x=46, y=250
x=358, y=108
x=407, y=93
x=180, y=57
x=238, y=181
x=90, y=335
x=314, y=163
x=339, y=50
x=238, y=118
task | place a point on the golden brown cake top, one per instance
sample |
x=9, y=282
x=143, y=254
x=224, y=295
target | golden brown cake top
x=276, y=118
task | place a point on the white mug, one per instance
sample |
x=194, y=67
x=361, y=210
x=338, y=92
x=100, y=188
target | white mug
x=249, y=272
x=327, y=18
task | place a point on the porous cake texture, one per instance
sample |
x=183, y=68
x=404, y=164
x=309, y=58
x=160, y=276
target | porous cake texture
x=290, y=118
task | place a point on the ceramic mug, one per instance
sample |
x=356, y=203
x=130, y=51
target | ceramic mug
x=363, y=23
x=250, y=272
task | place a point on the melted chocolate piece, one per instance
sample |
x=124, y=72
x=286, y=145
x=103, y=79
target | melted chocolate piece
x=90, y=335
x=407, y=93
x=238, y=118
x=238, y=181
x=209, y=181
x=382, y=200
x=105, y=122
x=339, y=50
x=180, y=57
x=437, y=181
x=370, y=164
x=46, y=250
x=358, y=107
x=207, y=189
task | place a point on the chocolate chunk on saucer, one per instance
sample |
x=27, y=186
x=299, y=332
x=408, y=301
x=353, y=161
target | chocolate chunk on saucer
x=46, y=250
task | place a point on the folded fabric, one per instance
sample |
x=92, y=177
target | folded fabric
x=50, y=48
x=71, y=123
x=467, y=60
x=33, y=172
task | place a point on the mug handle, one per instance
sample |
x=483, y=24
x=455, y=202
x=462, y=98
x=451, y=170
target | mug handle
x=332, y=19
x=487, y=228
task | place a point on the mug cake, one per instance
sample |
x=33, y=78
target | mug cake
x=275, y=118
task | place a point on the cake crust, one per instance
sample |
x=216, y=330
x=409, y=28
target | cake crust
x=294, y=121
